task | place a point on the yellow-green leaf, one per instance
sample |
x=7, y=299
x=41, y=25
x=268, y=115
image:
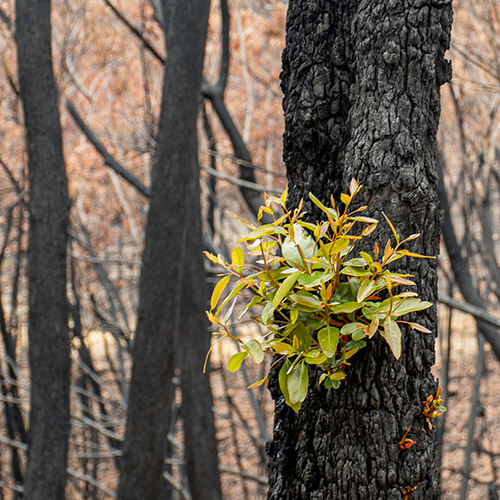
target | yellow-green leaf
x=259, y=382
x=233, y=293
x=238, y=258
x=281, y=347
x=254, y=348
x=218, y=289
x=235, y=360
x=340, y=245
x=365, y=290
x=315, y=357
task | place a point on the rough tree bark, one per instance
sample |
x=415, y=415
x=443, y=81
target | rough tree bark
x=171, y=260
x=361, y=98
x=49, y=346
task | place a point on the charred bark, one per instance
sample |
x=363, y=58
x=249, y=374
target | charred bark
x=49, y=346
x=167, y=260
x=361, y=98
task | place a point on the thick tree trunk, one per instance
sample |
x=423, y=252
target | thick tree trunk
x=49, y=346
x=361, y=82
x=167, y=270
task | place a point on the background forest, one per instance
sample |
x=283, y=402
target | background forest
x=108, y=60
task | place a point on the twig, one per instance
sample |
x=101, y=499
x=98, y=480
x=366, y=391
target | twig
x=238, y=182
x=258, y=479
x=92, y=481
x=13, y=443
x=472, y=418
x=470, y=309
x=178, y=486
x=14, y=487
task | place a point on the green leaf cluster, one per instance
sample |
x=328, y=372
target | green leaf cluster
x=319, y=302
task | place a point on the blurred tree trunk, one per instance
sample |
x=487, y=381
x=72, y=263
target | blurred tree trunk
x=361, y=82
x=171, y=293
x=49, y=346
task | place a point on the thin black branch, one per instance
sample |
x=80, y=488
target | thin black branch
x=108, y=159
x=136, y=31
x=224, y=60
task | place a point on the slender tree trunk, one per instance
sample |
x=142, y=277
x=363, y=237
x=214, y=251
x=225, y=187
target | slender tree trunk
x=49, y=346
x=167, y=260
x=361, y=82
x=200, y=454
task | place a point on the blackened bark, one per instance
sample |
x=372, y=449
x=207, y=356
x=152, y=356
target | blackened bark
x=361, y=82
x=49, y=346
x=166, y=259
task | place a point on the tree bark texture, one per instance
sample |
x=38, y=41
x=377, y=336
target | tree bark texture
x=361, y=98
x=167, y=276
x=49, y=346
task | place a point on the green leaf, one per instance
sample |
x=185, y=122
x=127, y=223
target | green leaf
x=254, y=302
x=283, y=379
x=235, y=360
x=306, y=300
x=283, y=383
x=314, y=279
x=328, y=339
x=366, y=288
x=347, y=307
x=410, y=305
x=267, y=315
x=356, y=271
x=392, y=335
x=291, y=252
x=297, y=383
x=254, y=348
x=358, y=335
x=285, y=287
x=355, y=344
x=350, y=328
x=303, y=336
x=218, y=289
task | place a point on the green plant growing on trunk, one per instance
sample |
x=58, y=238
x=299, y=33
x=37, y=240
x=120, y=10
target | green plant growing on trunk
x=319, y=302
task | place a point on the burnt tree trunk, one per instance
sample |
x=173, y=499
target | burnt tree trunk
x=361, y=98
x=49, y=346
x=172, y=271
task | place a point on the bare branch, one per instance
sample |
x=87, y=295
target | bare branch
x=108, y=159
